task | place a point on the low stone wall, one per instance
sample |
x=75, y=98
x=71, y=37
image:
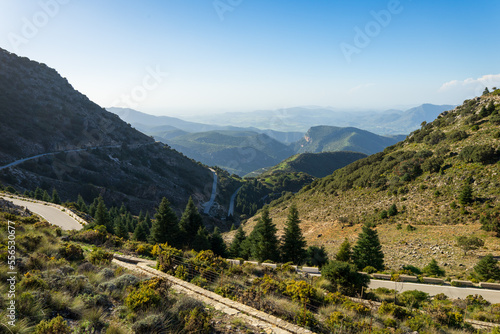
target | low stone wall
x=382, y=276
x=208, y=297
x=493, y=286
x=461, y=283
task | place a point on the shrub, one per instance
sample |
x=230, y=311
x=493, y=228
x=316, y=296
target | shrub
x=151, y=324
x=344, y=277
x=457, y=135
x=196, y=320
x=433, y=269
x=55, y=326
x=412, y=270
x=100, y=256
x=142, y=298
x=71, y=251
x=168, y=258
x=369, y=270
x=32, y=282
x=478, y=153
x=413, y=298
x=394, y=310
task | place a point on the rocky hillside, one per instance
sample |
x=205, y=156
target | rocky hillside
x=444, y=181
x=331, y=138
x=41, y=113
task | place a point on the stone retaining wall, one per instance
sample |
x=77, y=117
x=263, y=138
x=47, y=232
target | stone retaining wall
x=255, y=317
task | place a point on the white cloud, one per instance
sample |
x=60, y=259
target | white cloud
x=360, y=87
x=472, y=86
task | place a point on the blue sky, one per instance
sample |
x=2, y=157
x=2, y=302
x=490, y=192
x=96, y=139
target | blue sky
x=177, y=57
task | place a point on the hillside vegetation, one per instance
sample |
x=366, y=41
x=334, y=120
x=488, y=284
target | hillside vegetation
x=315, y=164
x=42, y=113
x=331, y=139
x=443, y=181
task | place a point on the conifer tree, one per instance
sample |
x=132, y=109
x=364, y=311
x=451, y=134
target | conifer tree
x=140, y=233
x=190, y=222
x=217, y=244
x=101, y=216
x=235, y=250
x=123, y=209
x=38, y=193
x=46, y=197
x=344, y=254
x=368, y=251
x=55, y=197
x=81, y=204
x=120, y=228
x=487, y=268
x=265, y=240
x=201, y=240
x=465, y=196
x=293, y=248
x=147, y=220
x=141, y=217
x=165, y=227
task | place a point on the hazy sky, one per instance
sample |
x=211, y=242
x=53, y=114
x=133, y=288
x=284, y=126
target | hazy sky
x=199, y=56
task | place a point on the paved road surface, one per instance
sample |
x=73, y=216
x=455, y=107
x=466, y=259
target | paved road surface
x=230, y=212
x=49, y=213
x=493, y=296
x=208, y=205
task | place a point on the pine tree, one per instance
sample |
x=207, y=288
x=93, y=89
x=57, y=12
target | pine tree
x=487, y=268
x=140, y=233
x=465, y=196
x=265, y=240
x=293, y=248
x=217, y=244
x=81, y=204
x=201, y=240
x=120, y=228
x=165, y=227
x=38, y=193
x=235, y=250
x=55, y=197
x=316, y=256
x=433, y=269
x=344, y=254
x=123, y=209
x=147, y=220
x=46, y=197
x=393, y=210
x=368, y=251
x=101, y=216
x=190, y=222
x=141, y=217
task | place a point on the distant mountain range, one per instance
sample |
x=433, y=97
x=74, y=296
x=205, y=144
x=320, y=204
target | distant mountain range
x=242, y=150
x=300, y=119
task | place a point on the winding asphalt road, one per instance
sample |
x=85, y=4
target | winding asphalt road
x=51, y=214
x=208, y=205
x=230, y=212
x=493, y=296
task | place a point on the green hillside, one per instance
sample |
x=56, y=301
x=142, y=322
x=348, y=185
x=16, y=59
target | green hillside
x=239, y=152
x=316, y=164
x=428, y=177
x=330, y=139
